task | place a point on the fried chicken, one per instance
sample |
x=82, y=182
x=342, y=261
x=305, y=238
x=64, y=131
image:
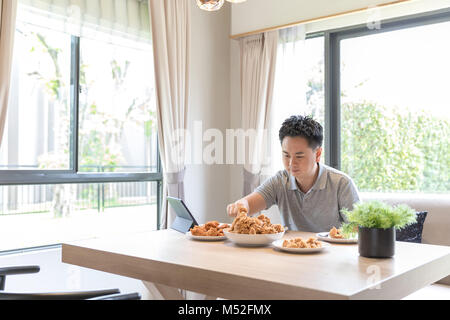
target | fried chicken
x=247, y=225
x=300, y=243
x=210, y=229
x=336, y=233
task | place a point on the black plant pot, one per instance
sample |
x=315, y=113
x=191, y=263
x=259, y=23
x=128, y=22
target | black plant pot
x=376, y=243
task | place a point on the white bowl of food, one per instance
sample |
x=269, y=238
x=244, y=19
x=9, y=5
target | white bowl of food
x=252, y=239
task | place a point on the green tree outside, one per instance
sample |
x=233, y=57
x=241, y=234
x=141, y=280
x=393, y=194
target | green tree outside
x=388, y=150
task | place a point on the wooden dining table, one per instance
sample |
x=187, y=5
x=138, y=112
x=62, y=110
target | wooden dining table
x=167, y=261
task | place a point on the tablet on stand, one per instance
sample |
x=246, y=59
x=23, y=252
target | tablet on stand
x=184, y=220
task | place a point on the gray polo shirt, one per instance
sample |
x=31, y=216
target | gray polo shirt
x=317, y=210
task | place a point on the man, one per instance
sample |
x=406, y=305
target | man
x=309, y=194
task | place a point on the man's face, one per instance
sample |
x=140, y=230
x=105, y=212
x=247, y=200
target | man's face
x=299, y=158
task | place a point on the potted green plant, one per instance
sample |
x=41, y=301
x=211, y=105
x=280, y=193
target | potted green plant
x=376, y=222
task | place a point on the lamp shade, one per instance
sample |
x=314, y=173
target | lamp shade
x=210, y=5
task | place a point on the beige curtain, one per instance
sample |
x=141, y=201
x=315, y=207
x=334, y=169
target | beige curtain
x=290, y=87
x=258, y=61
x=7, y=29
x=170, y=24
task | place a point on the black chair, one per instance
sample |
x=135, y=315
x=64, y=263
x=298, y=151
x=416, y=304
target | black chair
x=108, y=294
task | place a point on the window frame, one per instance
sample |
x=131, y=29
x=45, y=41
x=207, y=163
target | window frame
x=332, y=66
x=72, y=175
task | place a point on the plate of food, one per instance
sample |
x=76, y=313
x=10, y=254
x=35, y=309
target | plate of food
x=336, y=236
x=210, y=231
x=253, y=231
x=299, y=245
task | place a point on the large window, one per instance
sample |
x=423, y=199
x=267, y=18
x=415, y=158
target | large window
x=395, y=119
x=80, y=144
x=386, y=102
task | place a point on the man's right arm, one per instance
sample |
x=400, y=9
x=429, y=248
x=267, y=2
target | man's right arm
x=262, y=198
x=254, y=203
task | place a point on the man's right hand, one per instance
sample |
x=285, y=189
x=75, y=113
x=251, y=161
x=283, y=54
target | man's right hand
x=233, y=208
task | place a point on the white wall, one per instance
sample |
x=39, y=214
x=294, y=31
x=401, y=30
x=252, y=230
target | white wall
x=236, y=182
x=207, y=186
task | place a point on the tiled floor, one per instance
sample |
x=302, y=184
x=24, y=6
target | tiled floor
x=58, y=276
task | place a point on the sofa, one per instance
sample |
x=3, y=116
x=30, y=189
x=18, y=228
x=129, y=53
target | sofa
x=436, y=229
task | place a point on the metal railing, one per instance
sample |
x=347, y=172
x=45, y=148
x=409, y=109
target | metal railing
x=26, y=199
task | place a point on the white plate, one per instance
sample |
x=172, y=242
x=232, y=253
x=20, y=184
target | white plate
x=252, y=239
x=205, y=238
x=325, y=237
x=279, y=244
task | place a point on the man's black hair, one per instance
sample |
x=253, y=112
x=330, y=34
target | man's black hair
x=302, y=126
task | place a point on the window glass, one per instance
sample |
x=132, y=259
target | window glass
x=37, y=130
x=117, y=108
x=395, y=102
